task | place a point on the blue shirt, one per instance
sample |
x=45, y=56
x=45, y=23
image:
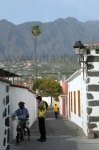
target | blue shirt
x=21, y=114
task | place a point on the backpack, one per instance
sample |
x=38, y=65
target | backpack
x=46, y=104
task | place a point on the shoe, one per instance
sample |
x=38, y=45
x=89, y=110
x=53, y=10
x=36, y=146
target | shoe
x=39, y=139
x=29, y=139
x=42, y=140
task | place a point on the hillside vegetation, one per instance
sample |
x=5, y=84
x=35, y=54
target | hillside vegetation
x=57, y=38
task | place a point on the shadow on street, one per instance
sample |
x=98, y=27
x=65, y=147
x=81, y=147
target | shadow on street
x=62, y=134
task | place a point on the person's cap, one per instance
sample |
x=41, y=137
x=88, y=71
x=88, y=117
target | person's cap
x=21, y=103
x=38, y=97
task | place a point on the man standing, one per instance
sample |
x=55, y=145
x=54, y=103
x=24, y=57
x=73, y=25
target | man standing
x=56, y=110
x=41, y=118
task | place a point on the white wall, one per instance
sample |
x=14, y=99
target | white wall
x=48, y=99
x=21, y=94
x=75, y=84
x=60, y=102
x=84, y=105
x=4, y=116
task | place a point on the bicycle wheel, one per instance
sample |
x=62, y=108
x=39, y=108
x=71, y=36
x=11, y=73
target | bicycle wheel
x=18, y=138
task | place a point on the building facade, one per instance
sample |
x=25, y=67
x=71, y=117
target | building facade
x=10, y=96
x=92, y=87
x=64, y=100
x=17, y=94
x=4, y=115
x=83, y=92
x=77, y=106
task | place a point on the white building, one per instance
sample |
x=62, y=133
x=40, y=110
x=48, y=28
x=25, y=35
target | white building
x=10, y=96
x=17, y=94
x=83, y=92
x=77, y=103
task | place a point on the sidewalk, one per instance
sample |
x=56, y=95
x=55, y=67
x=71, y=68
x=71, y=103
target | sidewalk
x=62, y=134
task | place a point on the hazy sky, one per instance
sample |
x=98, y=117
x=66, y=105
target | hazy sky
x=20, y=11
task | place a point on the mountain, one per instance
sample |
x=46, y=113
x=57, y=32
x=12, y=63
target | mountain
x=57, y=38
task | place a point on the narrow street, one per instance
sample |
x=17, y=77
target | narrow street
x=62, y=134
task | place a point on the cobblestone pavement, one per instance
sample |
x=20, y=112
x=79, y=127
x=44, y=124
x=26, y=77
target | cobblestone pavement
x=62, y=134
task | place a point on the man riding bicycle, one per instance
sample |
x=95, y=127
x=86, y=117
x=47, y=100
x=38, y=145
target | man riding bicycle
x=23, y=115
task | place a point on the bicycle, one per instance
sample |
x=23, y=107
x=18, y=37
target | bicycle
x=22, y=129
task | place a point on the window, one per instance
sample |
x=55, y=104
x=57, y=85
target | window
x=71, y=102
x=69, y=106
x=74, y=102
x=79, y=108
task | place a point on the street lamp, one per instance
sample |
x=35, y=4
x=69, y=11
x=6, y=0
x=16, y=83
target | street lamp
x=80, y=49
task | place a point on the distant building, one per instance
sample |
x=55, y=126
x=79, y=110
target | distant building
x=64, y=100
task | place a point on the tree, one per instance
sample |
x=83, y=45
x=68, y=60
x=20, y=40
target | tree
x=50, y=87
x=36, y=31
x=37, y=82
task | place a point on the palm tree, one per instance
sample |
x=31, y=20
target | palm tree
x=36, y=31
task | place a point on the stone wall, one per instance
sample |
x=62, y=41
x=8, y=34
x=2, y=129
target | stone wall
x=4, y=115
x=93, y=89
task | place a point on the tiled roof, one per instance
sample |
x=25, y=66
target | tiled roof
x=6, y=73
x=5, y=80
x=96, y=43
x=24, y=87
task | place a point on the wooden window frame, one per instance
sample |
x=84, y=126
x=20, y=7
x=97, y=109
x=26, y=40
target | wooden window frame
x=74, y=102
x=71, y=103
x=69, y=106
x=79, y=104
